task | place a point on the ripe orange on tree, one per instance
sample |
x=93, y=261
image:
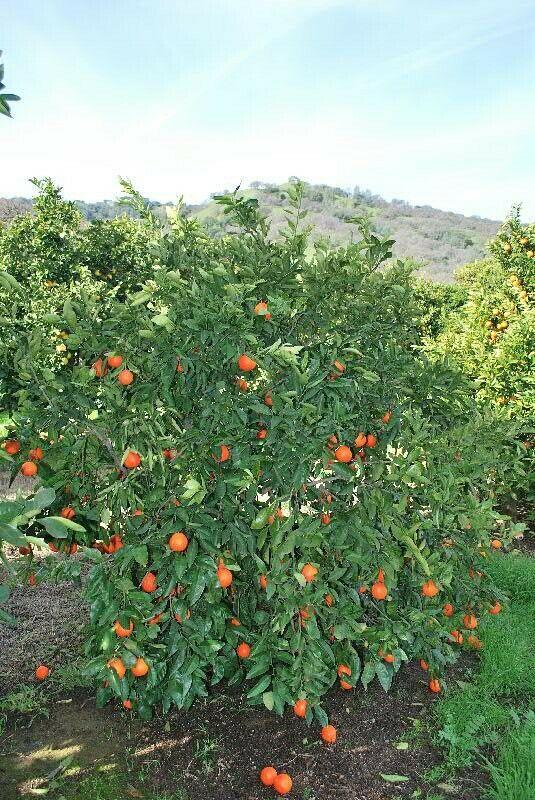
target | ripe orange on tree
x=114, y=361
x=495, y=608
x=360, y=440
x=29, y=469
x=224, y=576
x=140, y=668
x=178, y=542
x=246, y=364
x=12, y=447
x=125, y=377
x=470, y=621
x=309, y=572
x=117, y=664
x=36, y=454
x=132, y=460
x=430, y=589
x=243, y=650
x=434, y=685
x=371, y=440
x=300, y=708
x=224, y=453
x=68, y=512
x=379, y=590
x=149, y=583
x=343, y=454
x=448, y=610
x=121, y=632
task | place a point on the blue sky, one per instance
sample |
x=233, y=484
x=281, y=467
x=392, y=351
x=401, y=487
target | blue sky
x=425, y=100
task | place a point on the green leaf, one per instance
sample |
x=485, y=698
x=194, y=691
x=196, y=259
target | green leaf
x=268, y=700
x=260, y=686
x=11, y=535
x=394, y=778
x=59, y=527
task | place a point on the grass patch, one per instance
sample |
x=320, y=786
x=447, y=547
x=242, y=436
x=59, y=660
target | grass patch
x=513, y=773
x=111, y=786
x=498, y=706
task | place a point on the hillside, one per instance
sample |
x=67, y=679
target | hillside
x=438, y=240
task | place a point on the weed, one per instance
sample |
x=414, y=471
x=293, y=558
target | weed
x=26, y=700
x=513, y=774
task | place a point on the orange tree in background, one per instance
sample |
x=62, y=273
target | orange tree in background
x=491, y=336
x=276, y=486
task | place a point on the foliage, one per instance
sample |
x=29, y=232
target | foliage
x=437, y=302
x=117, y=251
x=14, y=515
x=513, y=776
x=5, y=99
x=237, y=457
x=492, y=336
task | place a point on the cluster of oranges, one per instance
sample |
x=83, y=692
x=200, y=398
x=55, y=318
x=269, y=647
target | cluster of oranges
x=30, y=467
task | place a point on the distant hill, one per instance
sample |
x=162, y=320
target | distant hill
x=438, y=240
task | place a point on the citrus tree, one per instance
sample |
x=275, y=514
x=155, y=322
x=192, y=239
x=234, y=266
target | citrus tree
x=275, y=486
x=5, y=98
x=492, y=335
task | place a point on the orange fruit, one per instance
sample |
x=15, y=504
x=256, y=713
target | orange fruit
x=309, y=572
x=36, y=454
x=118, y=665
x=114, y=361
x=430, y=589
x=243, y=650
x=242, y=385
x=434, y=685
x=325, y=519
x=155, y=619
x=246, y=364
x=360, y=441
x=29, y=468
x=371, y=440
x=169, y=454
x=381, y=576
x=178, y=542
x=448, y=610
x=387, y=416
x=149, y=582
x=474, y=642
x=260, y=308
x=125, y=377
x=263, y=582
x=121, y=632
x=268, y=775
x=496, y=544
x=42, y=672
x=235, y=622
x=496, y=608
x=262, y=433
x=388, y=657
x=469, y=621
x=140, y=668
x=224, y=576
x=340, y=366
x=424, y=665
x=268, y=400
x=132, y=460
x=283, y=783
x=379, y=590
x=300, y=708
x=457, y=637
x=11, y=446
x=328, y=600
x=343, y=454
x=345, y=685
x=343, y=669
x=68, y=513
x=224, y=454
x=99, y=368
x=25, y=551
x=127, y=704
x=328, y=734
x=137, y=512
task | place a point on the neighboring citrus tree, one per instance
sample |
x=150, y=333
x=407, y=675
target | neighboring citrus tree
x=492, y=335
x=277, y=486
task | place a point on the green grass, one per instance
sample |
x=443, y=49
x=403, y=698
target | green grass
x=497, y=709
x=109, y=786
x=513, y=773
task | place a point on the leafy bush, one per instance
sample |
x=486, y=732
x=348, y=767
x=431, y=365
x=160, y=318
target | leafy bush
x=492, y=337
x=276, y=483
